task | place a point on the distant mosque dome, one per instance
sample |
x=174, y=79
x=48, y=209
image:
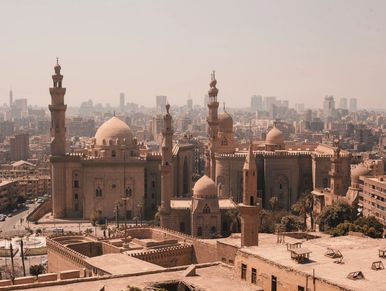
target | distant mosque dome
x=274, y=136
x=360, y=170
x=204, y=188
x=113, y=131
x=225, y=122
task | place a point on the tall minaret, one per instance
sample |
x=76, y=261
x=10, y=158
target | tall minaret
x=166, y=169
x=58, y=111
x=213, y=123
x=250, y=208
x=10, y=98
x=336, y=175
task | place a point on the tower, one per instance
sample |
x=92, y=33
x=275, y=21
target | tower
x=10, y=98
x=166, y=168
x=213, y=123
x=58, y=111
x=250, y=208
x=336, y=175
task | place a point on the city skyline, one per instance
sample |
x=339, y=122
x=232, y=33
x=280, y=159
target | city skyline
x=300, y=52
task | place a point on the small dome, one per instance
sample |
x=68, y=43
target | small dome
x=205, y=187
x=225, y=122
x=360, y=170
x=274, y=136
x=113, y=131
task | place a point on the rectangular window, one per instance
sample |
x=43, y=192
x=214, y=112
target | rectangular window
x=300, y=288
x=76, y=184
x=253, y=277
x=273, y=283
x=243, y=271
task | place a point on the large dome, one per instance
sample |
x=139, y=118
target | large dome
x=225, y=122
x=113, y=131
x=204, y=188
x=274, y=136
x=360, y=170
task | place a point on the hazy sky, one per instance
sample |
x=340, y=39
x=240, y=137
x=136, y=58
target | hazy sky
x=297, y=50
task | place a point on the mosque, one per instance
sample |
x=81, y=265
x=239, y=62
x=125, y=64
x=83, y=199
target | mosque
x=117, y=176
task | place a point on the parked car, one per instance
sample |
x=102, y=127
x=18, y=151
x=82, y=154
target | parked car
x=2, y=217
x=58, y=230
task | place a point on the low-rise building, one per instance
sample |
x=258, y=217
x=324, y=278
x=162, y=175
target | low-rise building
x=374, y=197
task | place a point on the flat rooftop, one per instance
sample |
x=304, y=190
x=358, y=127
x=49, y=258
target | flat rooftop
x=210, y=278
x=120, y=264
x=358, y=255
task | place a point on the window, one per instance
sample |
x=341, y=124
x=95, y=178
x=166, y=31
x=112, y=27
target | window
x=243, y=271
x=300, y=288
x=253, y=276
x=75, y=196
x=206, y=209
x=153, y=184
x=98, y=192
x=182, y=226
x=251, y=200
x=76, y=184
x=113, y=186
x=113, y=153
x=128, y=192
x=273, y=283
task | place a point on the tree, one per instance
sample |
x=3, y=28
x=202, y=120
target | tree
x=290, y=223
x=336, y=213
x=233, y=216
x=274, y=201
x=36, y=270
x=157, y=218
x=303, y=207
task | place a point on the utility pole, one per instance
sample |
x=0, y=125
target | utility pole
x=22, y=255
x=13, y=266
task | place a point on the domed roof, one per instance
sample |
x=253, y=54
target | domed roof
x=113, y=129
x=205, y=187
x=274, y=136
x=360, y=170
x=225, y=122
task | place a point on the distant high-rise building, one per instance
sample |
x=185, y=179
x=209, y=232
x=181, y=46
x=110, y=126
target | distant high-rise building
x=299, y=107
x=122, y=102
x=19, y=147
x=256, y=103
x=328, y=107
x=285, y=104
x=10, y=98
x=269, y=103
x=189, y=103
x=343, y=103
x=161, y=103
x=353, y=105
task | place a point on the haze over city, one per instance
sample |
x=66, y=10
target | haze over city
x=295, y=50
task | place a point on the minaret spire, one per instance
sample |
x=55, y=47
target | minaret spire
x=58, y=111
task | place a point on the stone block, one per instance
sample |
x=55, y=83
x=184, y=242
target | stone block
x=5, y=282
x=70, y=274
x=24, y=280
x=47, y=277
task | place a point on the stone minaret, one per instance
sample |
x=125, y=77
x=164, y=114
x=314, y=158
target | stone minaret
x=213, y=123
x=250, y=208
x=166, y=169
x=58, y=145
x=336, y=175
x=58, y=112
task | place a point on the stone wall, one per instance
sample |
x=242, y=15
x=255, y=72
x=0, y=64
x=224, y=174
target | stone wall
x=226, y=253
x=40, y=211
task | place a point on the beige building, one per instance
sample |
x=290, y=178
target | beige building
x=115, y=175
x=374, y=197
x=8, y=193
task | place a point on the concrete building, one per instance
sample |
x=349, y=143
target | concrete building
x=374, y=197
x=256, y=103
x=343, y=103
x=19, y=147
x=353, y=105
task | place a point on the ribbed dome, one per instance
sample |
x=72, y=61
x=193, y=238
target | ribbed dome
x=113, y=130
x=274, y=136
x=225, y=122
x=205, y=187
x=360, y=170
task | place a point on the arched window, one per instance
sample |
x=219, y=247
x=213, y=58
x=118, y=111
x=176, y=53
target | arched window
x=98, y=192
x=206, y=209
x=199, y=231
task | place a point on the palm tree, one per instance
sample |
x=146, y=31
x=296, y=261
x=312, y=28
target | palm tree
x=274, y=201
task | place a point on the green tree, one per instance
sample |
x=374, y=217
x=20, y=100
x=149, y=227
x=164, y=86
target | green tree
x=290, y=223
x=157, y=218
x=233, y=216
x=336, y=213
